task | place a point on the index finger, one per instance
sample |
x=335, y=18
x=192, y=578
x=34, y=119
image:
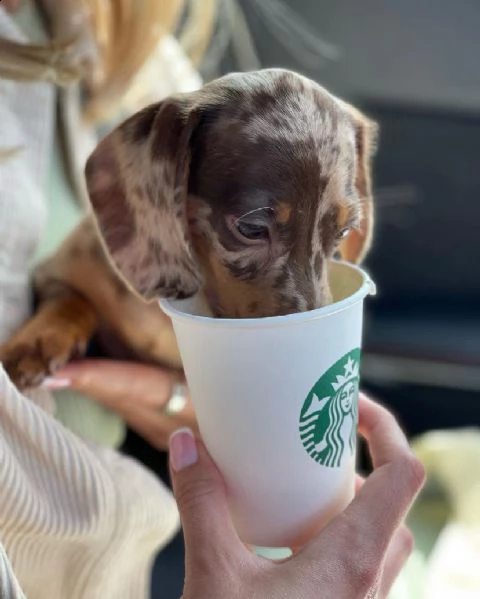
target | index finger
x=113, y=382
x=386, y=440
x=362, y=534
x=388, y=493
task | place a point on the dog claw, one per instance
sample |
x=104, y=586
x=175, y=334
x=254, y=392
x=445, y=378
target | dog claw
x=28, y=363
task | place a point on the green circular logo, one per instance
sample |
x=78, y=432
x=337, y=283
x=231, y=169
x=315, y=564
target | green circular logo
x=328, y=419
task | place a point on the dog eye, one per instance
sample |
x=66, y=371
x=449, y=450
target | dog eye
x=252, y=228
x=343, y=233
x=252, y=231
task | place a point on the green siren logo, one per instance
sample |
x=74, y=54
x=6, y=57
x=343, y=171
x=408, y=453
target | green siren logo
x=328, y=420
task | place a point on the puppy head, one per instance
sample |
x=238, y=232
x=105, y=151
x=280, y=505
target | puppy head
x=245, y=188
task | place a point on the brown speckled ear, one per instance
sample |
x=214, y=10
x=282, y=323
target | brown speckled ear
x=357, y=243
x=137, y=180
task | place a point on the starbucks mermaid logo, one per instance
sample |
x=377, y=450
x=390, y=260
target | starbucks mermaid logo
x=328, y=419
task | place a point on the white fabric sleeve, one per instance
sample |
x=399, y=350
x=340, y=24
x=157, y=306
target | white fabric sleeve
x=76, y=520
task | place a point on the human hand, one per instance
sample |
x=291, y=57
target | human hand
x=357, y=556
x=138, y=392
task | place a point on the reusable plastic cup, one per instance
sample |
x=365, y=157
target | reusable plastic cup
x=276, y=401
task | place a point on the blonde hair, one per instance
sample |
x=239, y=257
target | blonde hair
x=105, y=43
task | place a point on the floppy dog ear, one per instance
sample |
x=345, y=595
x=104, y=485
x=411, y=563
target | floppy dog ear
x=354, y=247
x=137, y=180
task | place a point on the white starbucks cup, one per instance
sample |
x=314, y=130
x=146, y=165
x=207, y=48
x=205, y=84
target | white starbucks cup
x=276, y=401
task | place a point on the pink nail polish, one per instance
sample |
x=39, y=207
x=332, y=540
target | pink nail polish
x=52, y=383
x=183, y=449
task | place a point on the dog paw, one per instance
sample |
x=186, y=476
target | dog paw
x=31, y=356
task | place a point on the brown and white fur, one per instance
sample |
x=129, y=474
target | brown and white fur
x=242, y=190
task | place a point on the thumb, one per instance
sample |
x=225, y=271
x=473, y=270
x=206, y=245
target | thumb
x=202, y=501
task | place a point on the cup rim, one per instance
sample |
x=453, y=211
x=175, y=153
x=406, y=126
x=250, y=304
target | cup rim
x=367, y=288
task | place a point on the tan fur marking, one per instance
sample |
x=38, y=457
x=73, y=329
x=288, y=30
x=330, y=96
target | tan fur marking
x=283, y=212
x=344, y=212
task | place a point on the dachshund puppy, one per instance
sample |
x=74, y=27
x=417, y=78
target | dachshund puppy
x=242, y=190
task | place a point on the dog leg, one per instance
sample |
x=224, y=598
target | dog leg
x=58, y=332
x=80, y=292
x=81, y=264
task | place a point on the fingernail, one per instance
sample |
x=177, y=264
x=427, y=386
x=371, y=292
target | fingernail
x=183, y=449
x=51, y=382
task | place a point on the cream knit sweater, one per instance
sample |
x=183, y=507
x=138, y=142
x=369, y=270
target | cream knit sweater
x=77, y=521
